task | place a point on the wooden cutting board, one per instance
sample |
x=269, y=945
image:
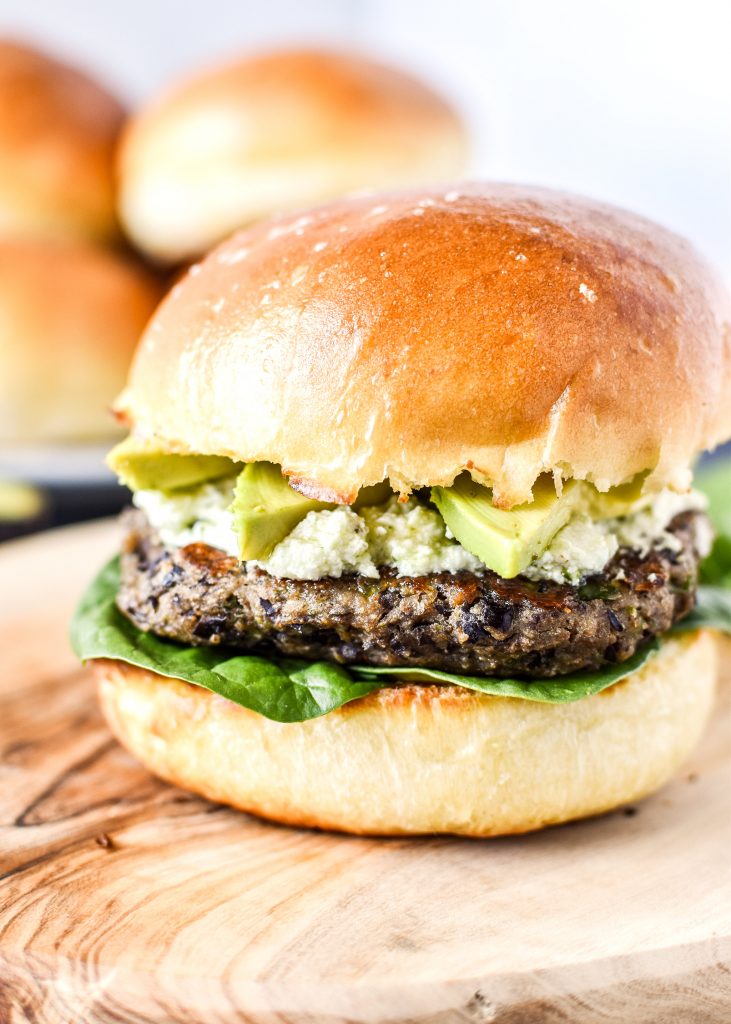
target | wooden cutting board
x=125, y=900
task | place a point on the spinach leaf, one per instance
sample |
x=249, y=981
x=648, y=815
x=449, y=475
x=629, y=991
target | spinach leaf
x=715, y=482
x=712, y=611
x=285, y=690
x=559, y=690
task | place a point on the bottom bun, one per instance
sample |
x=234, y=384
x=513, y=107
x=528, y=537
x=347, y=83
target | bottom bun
x=423, y=759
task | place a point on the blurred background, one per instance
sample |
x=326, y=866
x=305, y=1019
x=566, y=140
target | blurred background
x=627, y=101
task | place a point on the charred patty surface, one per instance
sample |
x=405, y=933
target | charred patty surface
x=459, y=622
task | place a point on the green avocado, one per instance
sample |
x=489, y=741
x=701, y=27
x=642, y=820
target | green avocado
x=144, y=466
x=266, y=509
x=376, y=494
x=617, y=501
x=506, y=541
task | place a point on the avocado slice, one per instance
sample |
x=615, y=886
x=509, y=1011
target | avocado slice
x=617, y=501
x=506, y=541
x=144, y=466
x=266, y=509
x=376, y=494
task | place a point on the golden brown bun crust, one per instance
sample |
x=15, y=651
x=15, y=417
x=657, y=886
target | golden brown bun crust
x=507, y=330
x=70, y=317
x=272, y=133
x=420, y=759
x=58, y=131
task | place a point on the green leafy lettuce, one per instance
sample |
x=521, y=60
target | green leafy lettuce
x=286, y=690
x=715, y=482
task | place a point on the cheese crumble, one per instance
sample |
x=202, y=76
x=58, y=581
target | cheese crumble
x=584, y=545
x=408, y=536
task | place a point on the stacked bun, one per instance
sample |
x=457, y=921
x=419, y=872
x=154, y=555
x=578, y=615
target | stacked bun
x=72, y=304
x=272, y=133
x=58, y=132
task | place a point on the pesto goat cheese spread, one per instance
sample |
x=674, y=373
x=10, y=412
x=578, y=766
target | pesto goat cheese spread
x=408, y=536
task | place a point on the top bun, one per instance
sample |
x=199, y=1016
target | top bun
x=58, y=131
x=501, y=329
x=271, y=133
x=70, y=317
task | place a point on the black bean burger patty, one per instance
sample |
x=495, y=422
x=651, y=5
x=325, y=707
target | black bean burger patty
x=459, y=622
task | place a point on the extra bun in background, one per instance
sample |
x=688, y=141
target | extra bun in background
x=70, y=317
x=58, y=131
x=506, y=330
x=271, y=133
x=422, y=759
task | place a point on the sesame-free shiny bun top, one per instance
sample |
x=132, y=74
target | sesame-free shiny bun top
x=270, y=133
x=500, y=329
x=58, y=131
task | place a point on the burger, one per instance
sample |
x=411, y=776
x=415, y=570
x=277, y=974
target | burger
x=240, y=141
x=414, y=546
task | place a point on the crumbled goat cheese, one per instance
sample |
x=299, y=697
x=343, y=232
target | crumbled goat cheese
x=414, y=539
x=646, y=529
x=408, y=536
x=200, y=516
x=327, y=543
x=581, y=548
x=584, y=545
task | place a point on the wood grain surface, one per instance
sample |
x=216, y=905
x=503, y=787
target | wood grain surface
x=125, y=900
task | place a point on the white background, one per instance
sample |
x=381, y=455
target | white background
x=625, y=100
